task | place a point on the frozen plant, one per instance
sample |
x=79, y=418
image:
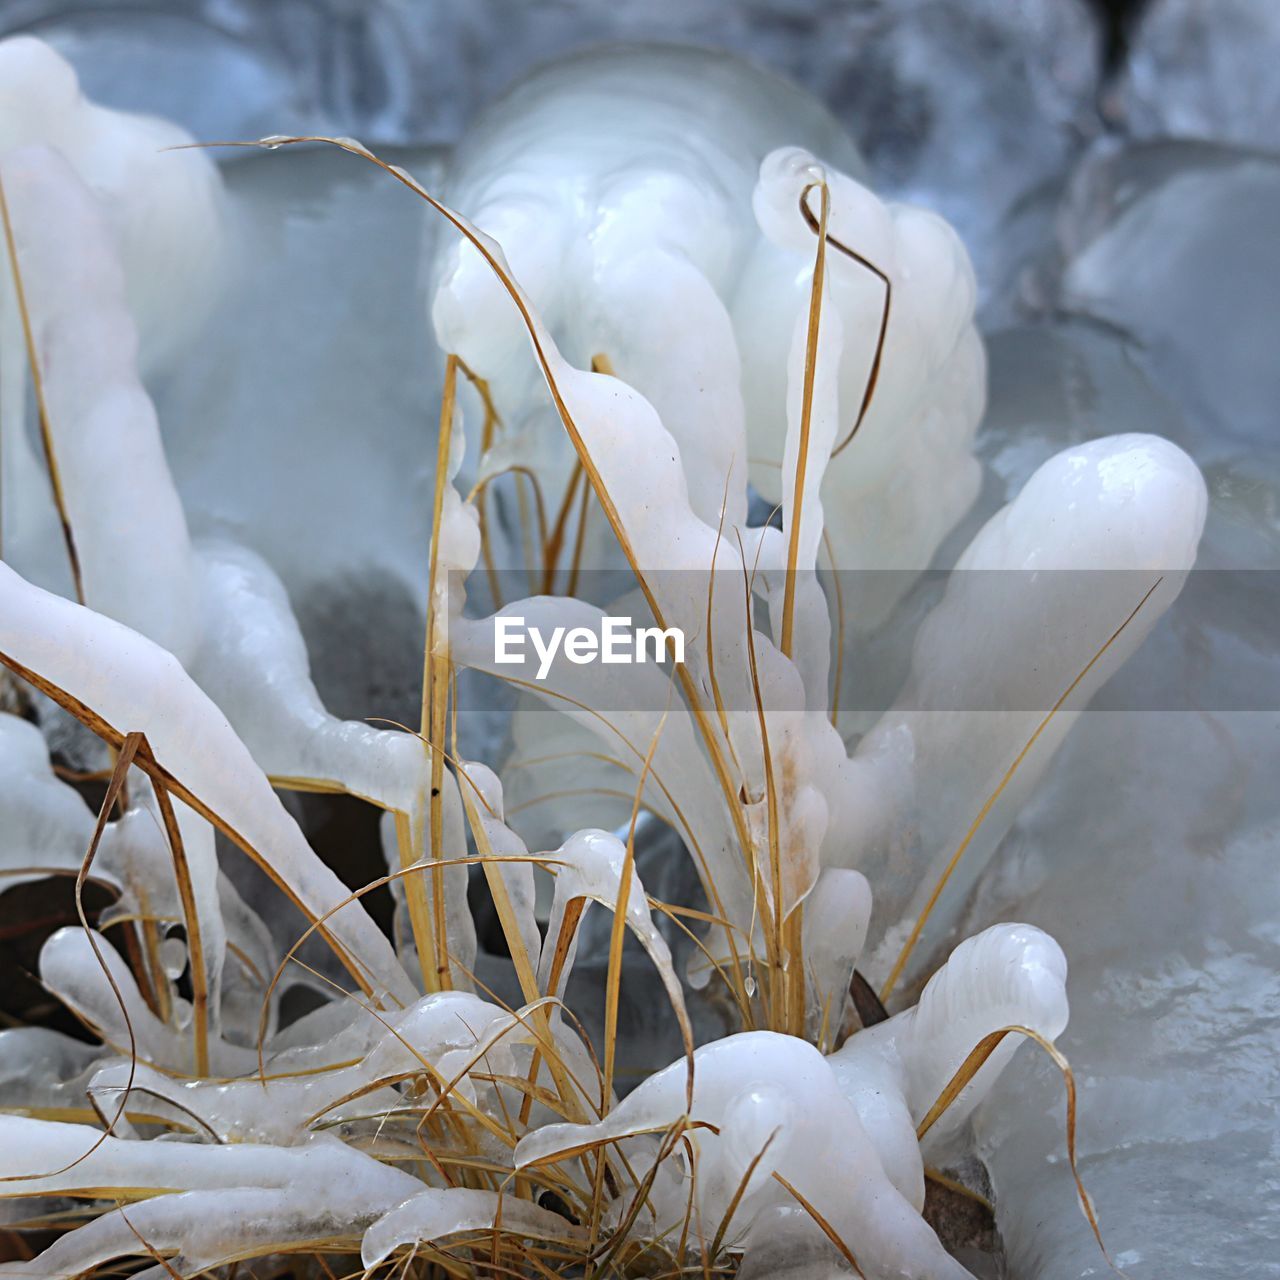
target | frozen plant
x=684, y=304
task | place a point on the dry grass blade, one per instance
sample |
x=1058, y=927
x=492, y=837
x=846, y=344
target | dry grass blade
x=740, y=1191
x=806, y=415
x=435, y=691
x=488, y=251
x=149, y=1249
x=774, y=943
x=817, y=225
x=191, y=918
x=827, y=1229
x=907, y=947
x=521, y=960
x=973, y=1064
x=161, y=777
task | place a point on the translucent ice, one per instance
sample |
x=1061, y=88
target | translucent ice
x=1203, y=71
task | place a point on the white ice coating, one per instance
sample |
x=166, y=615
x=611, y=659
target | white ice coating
x=105, y=437
x=440, y=1212
x=1041, y=589
x=1121, y=504
x=1009, y=975
x=134, y=685
x=163, y=206
x=442, y=1037
x=45, y=822
x=219, y=610
x=38, y=1150
x=72, y=970
x=630, y=219
x=752, y=1087
x=627, y=222
x=40, y=1068
x=237, y=1195
x=482, y=797
x=48, y=829
x=589, y=866
x=837, y=914
x=891, y=497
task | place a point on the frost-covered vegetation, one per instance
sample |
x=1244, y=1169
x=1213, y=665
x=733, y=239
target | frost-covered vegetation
x=652, y=312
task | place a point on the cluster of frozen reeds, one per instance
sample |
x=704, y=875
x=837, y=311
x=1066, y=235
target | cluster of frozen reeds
x=667, y=309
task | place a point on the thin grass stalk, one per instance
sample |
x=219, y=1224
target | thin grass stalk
x=989, y=804
x=973, y=1064
x=555, y=542
x=827, y=1229
x=191, y=916
x=806, y=417
x=428, y=926
x=814, y=223
x=478, y=242
x=773, y=940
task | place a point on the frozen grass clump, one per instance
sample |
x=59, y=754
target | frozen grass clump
x=416, y=1117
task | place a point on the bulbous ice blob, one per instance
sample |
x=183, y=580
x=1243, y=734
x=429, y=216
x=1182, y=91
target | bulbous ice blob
x=625, y=219
x=72, y=969
x=822, y=1150
x=238, y=1197
x=1044, y=587
x=252, y=661
x=893, y=1073
x=42, y=1069
x=442, y=1037
x=133, y=549
x=163, y=206
x=894, y=492
x=836, y=915
x=589, y=868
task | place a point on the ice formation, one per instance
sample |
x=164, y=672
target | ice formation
x=1198, y=72
x=612, y=290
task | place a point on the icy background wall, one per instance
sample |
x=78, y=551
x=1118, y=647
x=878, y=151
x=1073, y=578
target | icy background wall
x=1119, y=189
